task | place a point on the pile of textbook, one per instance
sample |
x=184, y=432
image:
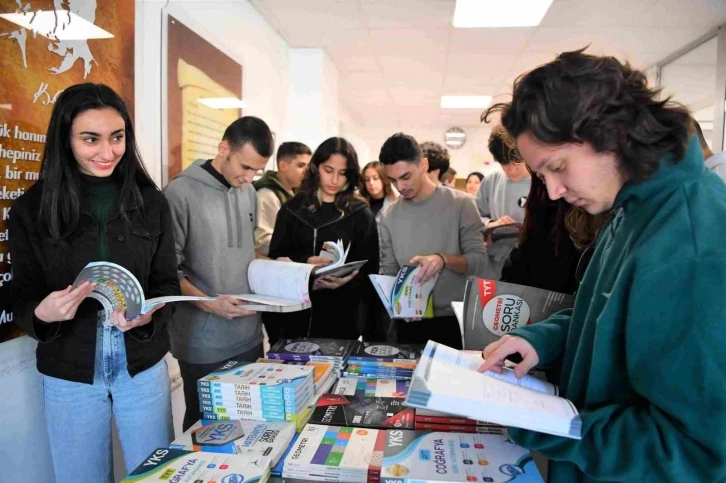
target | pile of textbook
x=257, y=391
x=323, y=371
x=307, y=349
x=382, y=361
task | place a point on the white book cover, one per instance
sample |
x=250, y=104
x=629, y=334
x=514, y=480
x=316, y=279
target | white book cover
x=337, y=255
x=234, y=437
x=260, y=378
x=180, y=466
x=370, y=387
x=277, y=286
x=424, y=457
x=340, y=453
x=446, y=380
x=402, y=297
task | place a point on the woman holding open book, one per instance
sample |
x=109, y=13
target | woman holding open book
x=94, y=201
x=327, y=208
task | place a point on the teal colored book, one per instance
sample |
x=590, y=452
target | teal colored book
x=180, y=466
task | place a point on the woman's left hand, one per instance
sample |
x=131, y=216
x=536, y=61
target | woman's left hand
x=331, y=282
x=118, y=318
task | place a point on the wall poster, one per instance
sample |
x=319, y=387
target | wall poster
x=46, y=46
x=197, y=70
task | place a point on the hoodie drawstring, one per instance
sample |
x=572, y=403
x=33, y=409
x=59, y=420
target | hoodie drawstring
x=239, y=219
x=230, y=241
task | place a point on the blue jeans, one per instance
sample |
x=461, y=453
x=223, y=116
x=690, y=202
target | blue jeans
x=79, y=415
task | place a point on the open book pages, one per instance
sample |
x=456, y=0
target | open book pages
x=277, y=286
x=493, y=309
x=117, y=287
x=402, y=297
x=337, y=255
x=447, y=380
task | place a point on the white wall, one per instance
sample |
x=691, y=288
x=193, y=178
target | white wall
x=312, y=108
x=474, y=156
x=235, y=28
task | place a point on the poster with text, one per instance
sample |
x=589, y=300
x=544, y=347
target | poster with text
x=46, y=46
x=199, y=76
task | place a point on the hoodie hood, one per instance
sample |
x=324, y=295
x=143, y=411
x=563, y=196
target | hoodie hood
x=232, y=212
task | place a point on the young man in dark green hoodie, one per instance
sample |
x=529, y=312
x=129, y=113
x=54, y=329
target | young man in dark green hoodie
x=643, y=352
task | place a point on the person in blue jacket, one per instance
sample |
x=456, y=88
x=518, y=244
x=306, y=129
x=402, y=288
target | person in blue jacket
x=642, y=353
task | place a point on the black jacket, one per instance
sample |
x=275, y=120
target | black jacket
x=145, y=246
x=299, y=234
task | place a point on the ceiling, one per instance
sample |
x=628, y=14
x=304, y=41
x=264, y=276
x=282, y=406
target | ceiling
x=396, y=58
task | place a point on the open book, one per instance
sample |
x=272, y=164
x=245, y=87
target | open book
x=337, y=255
x=402, y=297
x=117, y=287
x=277, y=286
x=493, y=309
x=447, y=380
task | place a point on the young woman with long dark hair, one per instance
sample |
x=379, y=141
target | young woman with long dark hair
x=376, y=188
x=327, y=208
x=94, y=201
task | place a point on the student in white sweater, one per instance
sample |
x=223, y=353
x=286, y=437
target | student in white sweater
x=501, y=198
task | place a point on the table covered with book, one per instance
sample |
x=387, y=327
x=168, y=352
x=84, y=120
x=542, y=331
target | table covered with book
x=344, y=411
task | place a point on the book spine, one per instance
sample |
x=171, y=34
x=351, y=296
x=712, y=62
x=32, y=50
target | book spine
x=448, y=420
x=455, y=428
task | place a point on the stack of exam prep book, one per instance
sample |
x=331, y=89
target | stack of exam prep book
x=258, y=391
x=315, y=350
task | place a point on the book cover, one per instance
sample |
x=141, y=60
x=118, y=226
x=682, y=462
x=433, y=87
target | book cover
x=377, y=370
x=363, y=412
x=180, y=466
x=493, y=309
x=371, y=387
x=336, y=453
x=311, y=349
x=370, y=351
x=322, y=369
x=402, y=297
x=234, y=437
x=413, y=456
x=258, y=378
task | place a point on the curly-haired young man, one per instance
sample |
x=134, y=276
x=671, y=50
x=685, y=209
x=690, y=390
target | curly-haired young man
x=641, y=355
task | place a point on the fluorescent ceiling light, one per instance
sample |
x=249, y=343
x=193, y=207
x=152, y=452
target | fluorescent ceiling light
x=455, y=135
x=58, y=25
x=7, y=107
x=499, y=13
x=222, y=102
x=465, y=102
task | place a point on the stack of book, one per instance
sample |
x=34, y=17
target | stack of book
x=357, y=455
x=336, y=454
x=316, y=350
x=363, y=412
x=382, y=361
x=181, y=466
x=237, y=436
x=258, y=391
x=427, y=420
x=324, y=376
x=356, y=386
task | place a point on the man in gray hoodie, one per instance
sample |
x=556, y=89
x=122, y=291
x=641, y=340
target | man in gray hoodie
x=214, y=212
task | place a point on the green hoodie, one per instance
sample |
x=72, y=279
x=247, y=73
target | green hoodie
x=643, y=353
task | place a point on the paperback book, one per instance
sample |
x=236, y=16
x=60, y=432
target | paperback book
x=277, y=286
x=370, y=387
x=337, y=255
x=493, y=309
x=363, y=412
x=167, y=465
x=234, y=437
x=447, y=380
x=461, y=428
x=116, y=287
x=336, y=454
x=313, y=349
x=419, y=457
x=402, y=297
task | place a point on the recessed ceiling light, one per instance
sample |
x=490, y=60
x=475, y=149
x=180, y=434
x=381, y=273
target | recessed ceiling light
x=465, y=102
x=57, y=25
x=499, y=13
x=222, y=102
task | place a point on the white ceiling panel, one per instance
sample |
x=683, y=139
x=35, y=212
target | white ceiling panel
x=396, y=57
x=427, y=14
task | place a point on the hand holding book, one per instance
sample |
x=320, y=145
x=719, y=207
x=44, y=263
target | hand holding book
x=496, y=353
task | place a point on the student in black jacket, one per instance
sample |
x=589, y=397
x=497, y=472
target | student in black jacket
x=327, y=208
x=94, y=201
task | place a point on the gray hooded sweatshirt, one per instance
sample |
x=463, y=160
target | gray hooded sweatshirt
x=214, y=228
